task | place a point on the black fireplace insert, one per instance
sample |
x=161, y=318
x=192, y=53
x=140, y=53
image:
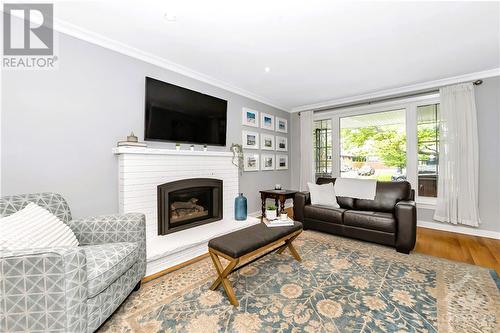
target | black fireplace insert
x=188, y=203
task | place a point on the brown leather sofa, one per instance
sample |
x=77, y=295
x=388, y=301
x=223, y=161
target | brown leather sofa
x=389, y=219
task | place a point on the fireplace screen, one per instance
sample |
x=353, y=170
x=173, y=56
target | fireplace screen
x=188, y=203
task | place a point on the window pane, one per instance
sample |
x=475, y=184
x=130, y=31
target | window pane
x=428, y=149
x=374, y=146
x=322, y=142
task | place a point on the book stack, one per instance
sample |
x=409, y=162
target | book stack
x=278, y=222
x=131, y=144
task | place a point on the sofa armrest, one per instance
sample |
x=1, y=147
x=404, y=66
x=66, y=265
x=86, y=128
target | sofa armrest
x=406, y=216
x=300, y=201
x=114, y=228
x=40, y=282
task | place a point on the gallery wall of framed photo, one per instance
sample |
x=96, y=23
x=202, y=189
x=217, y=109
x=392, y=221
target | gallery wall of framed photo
x=266, y=133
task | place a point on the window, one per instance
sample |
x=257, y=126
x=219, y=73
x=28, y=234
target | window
x=395, y=140
x=374, y=146
x=322, y=143
x=427, y=149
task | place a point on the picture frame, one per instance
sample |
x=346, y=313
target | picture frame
x=250, y=140
x=281, y=125
x=250, y=117
x=267, y=121
x=267, y=162
x=281, y=143
x=251, y=162
x=266, y=141
x=281, y=162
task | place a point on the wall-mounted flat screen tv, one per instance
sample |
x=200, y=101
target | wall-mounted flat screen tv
x=177, y=114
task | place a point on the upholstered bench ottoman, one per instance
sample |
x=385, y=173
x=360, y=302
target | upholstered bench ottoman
x=246, y=243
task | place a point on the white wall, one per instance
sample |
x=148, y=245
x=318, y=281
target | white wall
x=58, y=127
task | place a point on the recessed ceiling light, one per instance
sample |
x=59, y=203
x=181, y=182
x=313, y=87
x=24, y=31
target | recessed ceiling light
x=170, y=17
x=267, y=69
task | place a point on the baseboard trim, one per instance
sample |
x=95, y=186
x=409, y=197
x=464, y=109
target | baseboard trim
x=174, y=268
x=459, y=229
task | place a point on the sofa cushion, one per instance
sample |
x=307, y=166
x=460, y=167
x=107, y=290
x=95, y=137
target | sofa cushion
x=344, y=202
x=107, y=262
x=324, y=213
x=370, y=220
x=388, y=195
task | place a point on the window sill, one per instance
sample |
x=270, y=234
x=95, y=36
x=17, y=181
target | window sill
x=426, y=203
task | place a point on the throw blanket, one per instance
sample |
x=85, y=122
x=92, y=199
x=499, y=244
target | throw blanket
x=356, y=188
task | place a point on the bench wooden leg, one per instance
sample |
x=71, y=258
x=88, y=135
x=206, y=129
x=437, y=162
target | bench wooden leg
x=290, y=247
x=223, y=273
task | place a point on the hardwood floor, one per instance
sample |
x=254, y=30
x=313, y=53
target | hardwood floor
x=474, y=250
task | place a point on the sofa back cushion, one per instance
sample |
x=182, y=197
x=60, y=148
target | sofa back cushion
x=344, y=202
x=387, y=196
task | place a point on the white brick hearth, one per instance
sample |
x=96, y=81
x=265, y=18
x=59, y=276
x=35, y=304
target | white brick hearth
x=141, y=170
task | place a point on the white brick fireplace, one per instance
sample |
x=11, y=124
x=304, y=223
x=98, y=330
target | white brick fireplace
x=141, y=170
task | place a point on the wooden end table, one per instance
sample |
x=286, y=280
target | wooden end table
x=278, y=195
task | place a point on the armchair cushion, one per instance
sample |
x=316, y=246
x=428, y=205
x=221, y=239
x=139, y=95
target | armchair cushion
x=107, y=262
x=114, y=228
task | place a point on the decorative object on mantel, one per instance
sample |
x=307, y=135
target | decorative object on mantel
x=177, y=146
x=191, y=147
x=240, y=207
x=132, y=141
x=205, y=148
x=237, y=155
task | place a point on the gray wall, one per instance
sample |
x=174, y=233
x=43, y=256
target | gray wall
x=488, y=123
x=58, y=127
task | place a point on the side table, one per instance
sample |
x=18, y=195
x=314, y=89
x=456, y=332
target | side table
x=279, y=196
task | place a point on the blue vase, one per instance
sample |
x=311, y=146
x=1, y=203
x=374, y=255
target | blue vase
x=240, y=207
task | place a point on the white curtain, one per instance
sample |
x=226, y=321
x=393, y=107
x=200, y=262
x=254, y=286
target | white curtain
x=457, y=200
x=306, y=149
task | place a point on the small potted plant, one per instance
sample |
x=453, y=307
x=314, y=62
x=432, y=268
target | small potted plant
x=271, y=212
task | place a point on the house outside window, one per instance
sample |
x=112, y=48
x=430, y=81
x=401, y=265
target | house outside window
x=373, y=146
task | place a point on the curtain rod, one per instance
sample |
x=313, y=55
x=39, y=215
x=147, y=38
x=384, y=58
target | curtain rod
x=383, y=99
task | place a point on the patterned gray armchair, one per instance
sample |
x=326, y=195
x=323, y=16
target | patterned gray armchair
x=71, y=289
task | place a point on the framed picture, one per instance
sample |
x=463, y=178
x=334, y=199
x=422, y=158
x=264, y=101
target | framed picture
x=250, y=117
x=266, y=141
x=281, y=162
x=250, y=140
x=267, y=121
x=267, y=162
x=281, y=143
x=281, y=125
x=251, y=162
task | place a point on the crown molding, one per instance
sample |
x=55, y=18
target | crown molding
x=108, y=43
x=414, y=88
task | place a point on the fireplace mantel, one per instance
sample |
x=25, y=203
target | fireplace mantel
x=162, y=151
x=142, y=170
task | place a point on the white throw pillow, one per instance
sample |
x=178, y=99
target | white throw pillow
x=323, y=195
x=34, y=227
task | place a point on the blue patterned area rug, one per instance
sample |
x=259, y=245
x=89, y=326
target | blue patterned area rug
x=342, y=285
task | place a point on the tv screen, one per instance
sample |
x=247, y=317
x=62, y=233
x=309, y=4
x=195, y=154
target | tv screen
x=181, y=115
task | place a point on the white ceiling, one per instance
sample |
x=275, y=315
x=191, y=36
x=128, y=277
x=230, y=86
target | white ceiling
x=316, y=50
